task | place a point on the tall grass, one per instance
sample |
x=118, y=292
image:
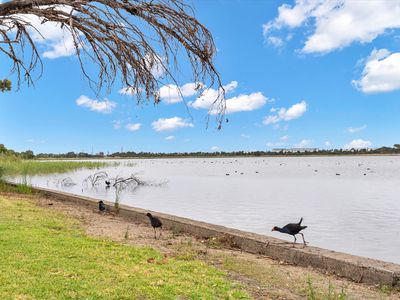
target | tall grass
x=330, y=294
x=14, y=166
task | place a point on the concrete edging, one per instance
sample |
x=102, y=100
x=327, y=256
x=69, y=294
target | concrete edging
x=356, y=268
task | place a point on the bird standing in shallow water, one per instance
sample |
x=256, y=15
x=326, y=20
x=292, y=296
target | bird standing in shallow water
x=292, y=229
x=102, y=206
x=155, y=223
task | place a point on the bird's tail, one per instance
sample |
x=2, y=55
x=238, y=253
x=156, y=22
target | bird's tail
x=301, y=220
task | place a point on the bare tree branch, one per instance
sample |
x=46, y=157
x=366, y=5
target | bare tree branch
x=127, y=39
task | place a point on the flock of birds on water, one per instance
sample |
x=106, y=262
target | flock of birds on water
x=292, y=229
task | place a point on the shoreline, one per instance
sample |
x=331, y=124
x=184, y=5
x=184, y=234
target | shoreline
x=356, y=268
x=260, y=275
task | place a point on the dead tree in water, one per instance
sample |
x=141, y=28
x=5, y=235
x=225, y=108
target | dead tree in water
x=95, y=179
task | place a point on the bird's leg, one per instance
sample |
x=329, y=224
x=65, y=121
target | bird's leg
x=304, y=241
x=160, y=231
x=294, y=239
x=155, y=234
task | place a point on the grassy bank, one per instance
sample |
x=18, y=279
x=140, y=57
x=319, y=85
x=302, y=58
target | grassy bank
x=46, y=255
x=14, y=166
x=51, y=249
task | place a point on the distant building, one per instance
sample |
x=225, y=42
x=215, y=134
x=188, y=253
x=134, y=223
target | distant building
x=294, y=150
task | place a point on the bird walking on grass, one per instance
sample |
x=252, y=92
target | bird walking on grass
x=102, y=206
x=292, y=229
x=155, y=223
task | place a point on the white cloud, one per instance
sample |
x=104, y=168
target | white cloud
x=215, y=148
x=35, y=141
x=171, y=93
x=284, y=138
x=235, y=104
x=327, y=143
x=283, y=114
x=60, y=48
x=381, y=72
x=274, y=145
x=293, y=112
x=245, y=136
x=133, y=126
x=303, y=144
x=356, y=129
x=117, y=124
x=244, y=103
x=167, y=124
x=57, y=41
x=358, y=144
x=170, y=138
x=210, y=95
x=104, y=107
x=336, y=23
x=275, y=41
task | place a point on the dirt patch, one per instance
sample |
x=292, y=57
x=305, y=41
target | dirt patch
x=263, y=277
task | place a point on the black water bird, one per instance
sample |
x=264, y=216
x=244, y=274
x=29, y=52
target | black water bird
x=102, y=206
x=107, y=183
x=292, y=229
x=155, y=223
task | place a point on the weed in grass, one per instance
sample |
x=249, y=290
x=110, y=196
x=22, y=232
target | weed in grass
x=310, y=290
x=330, y=294
x=389, y=289
x=126, y=236
x=214, y=243
x=176, y=232
x=24, y=189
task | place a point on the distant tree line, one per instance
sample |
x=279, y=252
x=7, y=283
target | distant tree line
x=131, y=154
x=4, y=152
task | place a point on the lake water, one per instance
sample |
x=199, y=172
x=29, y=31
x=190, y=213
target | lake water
x=356, y=212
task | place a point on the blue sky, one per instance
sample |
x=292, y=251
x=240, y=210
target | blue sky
x=298, y=73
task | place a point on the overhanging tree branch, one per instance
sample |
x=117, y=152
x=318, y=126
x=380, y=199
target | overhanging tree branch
x=130, y=39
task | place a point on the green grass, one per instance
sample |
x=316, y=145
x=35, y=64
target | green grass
x=13, y=166
x=46, y=255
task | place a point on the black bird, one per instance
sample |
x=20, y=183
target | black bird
x=102, y=206
x=292, y=229
x=155, y=223
x=107, y=183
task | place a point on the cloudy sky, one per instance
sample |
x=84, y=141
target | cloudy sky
x=299, y=73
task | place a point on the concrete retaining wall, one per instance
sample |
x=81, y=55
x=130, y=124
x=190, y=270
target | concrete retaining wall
x=356, y=268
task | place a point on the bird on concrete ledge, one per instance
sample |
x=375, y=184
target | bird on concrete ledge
x=155, y=223
x=292, y=229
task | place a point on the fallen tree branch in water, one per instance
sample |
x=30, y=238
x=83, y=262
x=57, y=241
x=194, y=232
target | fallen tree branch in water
x=95, y=178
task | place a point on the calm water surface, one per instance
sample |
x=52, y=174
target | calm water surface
x=350, y=212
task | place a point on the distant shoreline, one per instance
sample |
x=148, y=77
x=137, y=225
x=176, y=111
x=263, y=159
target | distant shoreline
x=215, y=156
